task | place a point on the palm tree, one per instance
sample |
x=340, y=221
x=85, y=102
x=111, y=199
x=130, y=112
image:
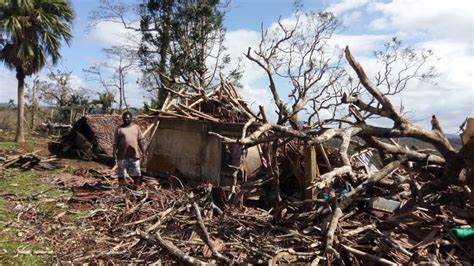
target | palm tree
x=34, y=30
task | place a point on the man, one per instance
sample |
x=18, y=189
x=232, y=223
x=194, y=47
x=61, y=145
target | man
x=127, y=148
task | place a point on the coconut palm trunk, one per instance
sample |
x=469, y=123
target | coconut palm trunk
x=20, y=76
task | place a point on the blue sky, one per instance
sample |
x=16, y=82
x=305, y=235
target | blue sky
x=443, y=26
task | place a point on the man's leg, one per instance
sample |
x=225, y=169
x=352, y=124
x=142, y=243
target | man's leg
x=133, y=169
x=121, y=174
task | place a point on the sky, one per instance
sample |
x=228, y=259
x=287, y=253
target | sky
x=446, y=27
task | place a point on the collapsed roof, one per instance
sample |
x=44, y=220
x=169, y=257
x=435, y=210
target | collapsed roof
x=93, y=134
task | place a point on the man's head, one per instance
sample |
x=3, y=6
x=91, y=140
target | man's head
x=127, y=118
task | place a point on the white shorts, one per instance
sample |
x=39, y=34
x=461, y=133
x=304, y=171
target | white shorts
x=130, y=166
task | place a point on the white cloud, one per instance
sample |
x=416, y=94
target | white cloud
x=255, y=94
x=443, y=26
x=351, y=18
x=254, y=89
x=450, y=97
x=361, y=44
x=430, y=18
x=108, y=33
x=237, y=43
x=76, y=82
x=346, y=5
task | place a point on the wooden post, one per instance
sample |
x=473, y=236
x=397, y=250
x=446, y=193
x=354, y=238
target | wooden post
x=325, y=156
x=311, y=173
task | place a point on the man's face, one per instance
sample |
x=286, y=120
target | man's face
x=127, y=119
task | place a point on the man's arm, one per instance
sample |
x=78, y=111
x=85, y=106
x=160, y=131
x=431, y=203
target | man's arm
x=114, y=145
x=141, y=143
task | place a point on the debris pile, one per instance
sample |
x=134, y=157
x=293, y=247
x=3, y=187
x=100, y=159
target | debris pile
x=223, y=105
x=28, y=161
x=390, y=217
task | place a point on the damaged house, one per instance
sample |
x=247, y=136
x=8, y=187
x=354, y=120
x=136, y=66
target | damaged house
x=183, y=146
x=92, y=136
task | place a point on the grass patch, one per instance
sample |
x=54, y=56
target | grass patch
x=6, y=146
x=32, y=142
x=10, y=241
x=19, y=186
x=23, y=184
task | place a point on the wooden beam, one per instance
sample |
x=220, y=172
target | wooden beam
x=311, y=174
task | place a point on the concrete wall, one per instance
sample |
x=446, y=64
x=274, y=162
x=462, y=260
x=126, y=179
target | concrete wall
x=184, y=148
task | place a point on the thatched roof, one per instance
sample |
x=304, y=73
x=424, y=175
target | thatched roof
x=99, y=129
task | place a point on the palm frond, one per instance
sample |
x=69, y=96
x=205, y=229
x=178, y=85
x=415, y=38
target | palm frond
x=35, y=29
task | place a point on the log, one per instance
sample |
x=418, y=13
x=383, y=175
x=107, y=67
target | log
x=311, y=174
x=206, y=238
x=170, y=247
x=332, y=228
x=200, y=114
x=384, y=172
x=369, y=256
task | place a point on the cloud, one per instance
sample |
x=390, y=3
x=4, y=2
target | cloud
x=254, y=84
x=450, y=96
x=443, y=26
x=430, y=18
x=361, y=44
x=351, y=18
x=109, y=33
x=346, y=5
x=237, y=43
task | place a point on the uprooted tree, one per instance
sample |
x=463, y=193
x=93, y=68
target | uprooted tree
x=336, y=104
x=339, y=106
x=321, y=84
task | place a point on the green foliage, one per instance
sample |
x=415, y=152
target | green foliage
x=183, y=39
x=154, y=104
x=106, y=99
x=34, y=30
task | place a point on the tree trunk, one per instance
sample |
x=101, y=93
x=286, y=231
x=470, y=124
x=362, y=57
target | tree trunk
x=120, y=102
x=276, y=173
x=164, y=50
x=122, y=85
x=33, y=117
x=20, y=76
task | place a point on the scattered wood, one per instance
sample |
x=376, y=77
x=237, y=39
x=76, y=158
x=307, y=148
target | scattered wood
x=170, y=247
x=369, y=256
x=207, y=238
x=30, y=160
x=325, y=208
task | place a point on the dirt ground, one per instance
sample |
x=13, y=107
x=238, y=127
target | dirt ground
x=33, y=189
x=74, y=212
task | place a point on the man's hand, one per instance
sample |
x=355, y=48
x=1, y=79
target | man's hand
x=114, y=152
x=143, y=149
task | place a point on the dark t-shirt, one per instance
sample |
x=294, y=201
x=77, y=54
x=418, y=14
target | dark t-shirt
x=127, y=139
